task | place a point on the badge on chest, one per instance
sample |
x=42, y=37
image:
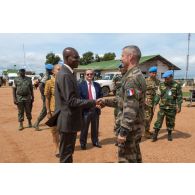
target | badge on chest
x=169, y=92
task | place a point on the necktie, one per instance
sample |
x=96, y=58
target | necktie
x=90, y=92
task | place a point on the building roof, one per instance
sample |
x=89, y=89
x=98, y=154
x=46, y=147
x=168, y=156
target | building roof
x=113, y=64
x=159, y=57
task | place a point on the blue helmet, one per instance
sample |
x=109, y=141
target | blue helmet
x=167, y=74
x=49, y=66
x=153, y=69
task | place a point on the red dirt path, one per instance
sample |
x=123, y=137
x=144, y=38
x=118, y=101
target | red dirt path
x=36, y=146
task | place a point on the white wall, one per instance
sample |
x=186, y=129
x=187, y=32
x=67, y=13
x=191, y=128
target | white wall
x=161, y=68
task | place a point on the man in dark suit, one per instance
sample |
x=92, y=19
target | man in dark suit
x=90, y=90
x=69, y=105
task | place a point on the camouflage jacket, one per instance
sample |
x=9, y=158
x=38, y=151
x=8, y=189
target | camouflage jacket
x=23, y=88
x=117, y=83
x=169, y=95
x=152, y=86
x=131, y=99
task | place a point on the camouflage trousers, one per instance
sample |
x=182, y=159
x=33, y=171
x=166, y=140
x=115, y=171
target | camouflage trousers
x=43, y=113
x=170, y=118
x=129, y=152
x=24, y=106
x=149, y=113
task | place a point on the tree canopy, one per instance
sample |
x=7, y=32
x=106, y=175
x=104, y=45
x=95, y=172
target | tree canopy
x=51, y=58
x=88, y=57
x=109, y=56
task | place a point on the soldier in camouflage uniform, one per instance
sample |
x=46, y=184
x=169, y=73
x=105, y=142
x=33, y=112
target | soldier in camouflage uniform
x=130, y=119
x=170, y=96
x=152, y=84
x=23, y=97
x=42, y=115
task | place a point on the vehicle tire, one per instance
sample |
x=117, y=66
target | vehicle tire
x=105, y=91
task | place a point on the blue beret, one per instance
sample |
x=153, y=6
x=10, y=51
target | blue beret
x=153, y=69
x=49, y=66
x=120, y=66
x=167, y=74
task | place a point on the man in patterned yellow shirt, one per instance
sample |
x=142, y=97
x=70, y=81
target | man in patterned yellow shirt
x=50, y=104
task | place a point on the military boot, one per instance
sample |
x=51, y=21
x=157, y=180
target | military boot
x=29, y=124
x=20, y=126
x=170, y=135
x=155, y=135
x=36, y=126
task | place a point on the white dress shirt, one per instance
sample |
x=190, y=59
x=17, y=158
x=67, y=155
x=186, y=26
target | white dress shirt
x=92, y=89
x=71, y=70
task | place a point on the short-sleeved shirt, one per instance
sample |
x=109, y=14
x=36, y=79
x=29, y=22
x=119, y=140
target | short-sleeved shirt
x=49, y=92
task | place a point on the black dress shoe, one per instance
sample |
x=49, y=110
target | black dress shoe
x=83, y=147
x=97, y=145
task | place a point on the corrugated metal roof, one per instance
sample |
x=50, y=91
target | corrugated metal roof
x=113, y=64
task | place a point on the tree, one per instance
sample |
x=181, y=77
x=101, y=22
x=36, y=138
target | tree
x=51, y=58
x=109, y=56
x=82, y=62
x=97, y=58
x=87, y=58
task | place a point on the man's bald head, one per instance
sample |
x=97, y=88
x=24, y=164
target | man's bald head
x=56, y=69
x=71, y=57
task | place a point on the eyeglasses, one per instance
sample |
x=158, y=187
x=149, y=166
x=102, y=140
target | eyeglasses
x=89, y=74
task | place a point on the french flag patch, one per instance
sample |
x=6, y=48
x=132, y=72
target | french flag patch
x=130, y=92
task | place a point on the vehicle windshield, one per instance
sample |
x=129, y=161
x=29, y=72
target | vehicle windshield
x=12, y=78
x=107, y=77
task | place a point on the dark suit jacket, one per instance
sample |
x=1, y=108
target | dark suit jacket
x=68, y=102
x=83, y=90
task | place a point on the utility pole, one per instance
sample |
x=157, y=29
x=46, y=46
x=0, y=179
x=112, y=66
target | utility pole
x=24, y=56
x=187, y=64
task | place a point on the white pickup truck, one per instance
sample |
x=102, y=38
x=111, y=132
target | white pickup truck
x=11, y=77
x=107, y=83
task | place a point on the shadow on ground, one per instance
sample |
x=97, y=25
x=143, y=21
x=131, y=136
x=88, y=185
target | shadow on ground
x=103, y=142
x=176, y=135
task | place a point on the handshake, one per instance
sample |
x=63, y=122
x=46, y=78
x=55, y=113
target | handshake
x=100, y=103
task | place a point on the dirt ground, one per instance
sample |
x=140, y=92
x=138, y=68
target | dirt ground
x=37, y=147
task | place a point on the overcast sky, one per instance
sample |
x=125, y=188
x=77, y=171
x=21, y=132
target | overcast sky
x=172, y=46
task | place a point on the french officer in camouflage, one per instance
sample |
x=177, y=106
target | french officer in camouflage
x=130, y=119
x=152, y=84
x=170, y=96
x=23, y=97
